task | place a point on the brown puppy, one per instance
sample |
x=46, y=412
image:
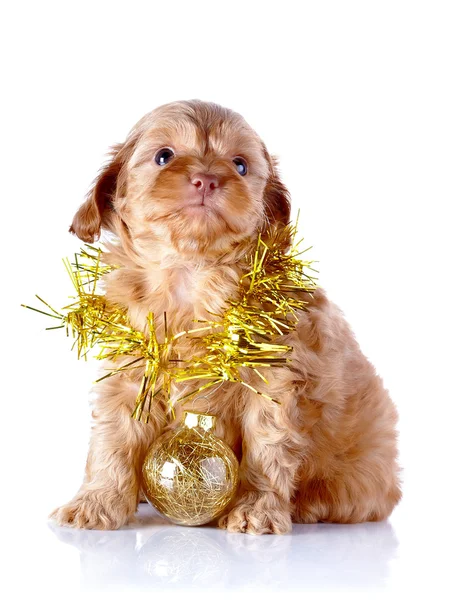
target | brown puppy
x=185, y=196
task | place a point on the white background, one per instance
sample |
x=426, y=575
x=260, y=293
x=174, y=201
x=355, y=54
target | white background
x=354, y=98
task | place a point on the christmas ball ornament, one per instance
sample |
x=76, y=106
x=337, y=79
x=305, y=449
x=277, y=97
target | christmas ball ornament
x=189, y=474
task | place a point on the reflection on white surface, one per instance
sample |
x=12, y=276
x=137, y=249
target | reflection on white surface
x=155, y=554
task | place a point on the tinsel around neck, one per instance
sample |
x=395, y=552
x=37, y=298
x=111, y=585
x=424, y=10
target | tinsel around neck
x=241, y=338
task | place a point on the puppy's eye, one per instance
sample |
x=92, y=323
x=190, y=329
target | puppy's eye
x=241, y=165
x=163, y=156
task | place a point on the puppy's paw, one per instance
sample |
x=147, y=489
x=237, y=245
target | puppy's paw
x=257, y=513
x=95, y=510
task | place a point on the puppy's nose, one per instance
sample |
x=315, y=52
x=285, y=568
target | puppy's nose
x=205, y=182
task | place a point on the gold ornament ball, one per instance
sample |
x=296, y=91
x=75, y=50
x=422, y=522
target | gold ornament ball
x=190, y=475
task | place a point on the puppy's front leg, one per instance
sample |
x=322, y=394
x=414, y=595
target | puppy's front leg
x=271, y=455
x=109, y=495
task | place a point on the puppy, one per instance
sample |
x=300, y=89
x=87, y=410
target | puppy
x=185, y=197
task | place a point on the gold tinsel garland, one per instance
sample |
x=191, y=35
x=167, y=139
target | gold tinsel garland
x=242, y=337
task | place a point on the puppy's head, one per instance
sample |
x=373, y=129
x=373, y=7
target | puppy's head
x=192, y=175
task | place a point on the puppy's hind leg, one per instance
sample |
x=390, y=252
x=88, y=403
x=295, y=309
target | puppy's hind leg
x=109, y=495
x=349, y=498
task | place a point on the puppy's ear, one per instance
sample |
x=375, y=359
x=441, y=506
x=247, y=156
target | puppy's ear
x=277, y=201
x=98, y=207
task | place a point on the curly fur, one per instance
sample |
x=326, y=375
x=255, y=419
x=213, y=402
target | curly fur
x=328, y=451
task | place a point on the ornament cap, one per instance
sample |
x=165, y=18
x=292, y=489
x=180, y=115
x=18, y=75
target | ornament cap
x=204, y=421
